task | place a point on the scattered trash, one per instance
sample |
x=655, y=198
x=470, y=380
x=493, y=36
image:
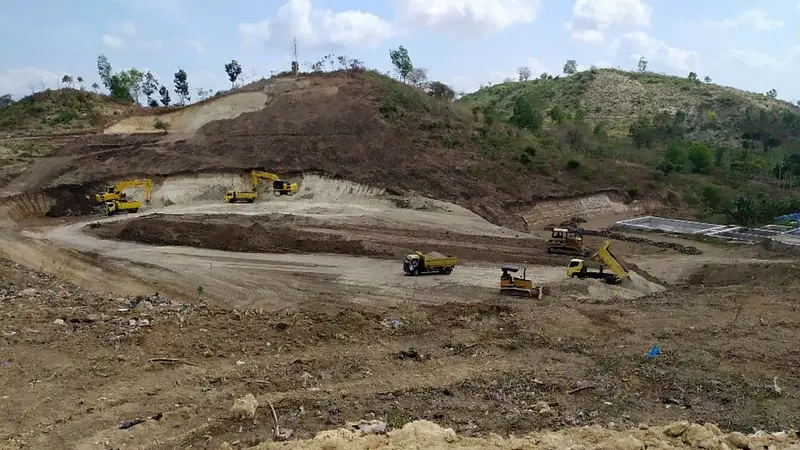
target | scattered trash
x=59, y=322
x=775, y=386
x=655, y=351
x=365, y=427
x=240, y=363
x=411, y=353
x=130, y=423
x=675, y=401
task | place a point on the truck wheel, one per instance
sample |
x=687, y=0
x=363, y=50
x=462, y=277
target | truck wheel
x=135, y=210
x=251, y=200
x=448, y=270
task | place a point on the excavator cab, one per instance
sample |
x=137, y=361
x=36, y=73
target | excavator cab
x=283, y=187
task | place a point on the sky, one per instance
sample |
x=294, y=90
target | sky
x=464, y=43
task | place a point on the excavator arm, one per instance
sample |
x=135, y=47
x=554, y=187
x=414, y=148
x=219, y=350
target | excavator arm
x=259, y=175
x=114, y=192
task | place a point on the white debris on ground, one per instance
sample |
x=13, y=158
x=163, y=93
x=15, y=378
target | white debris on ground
x=428, y=435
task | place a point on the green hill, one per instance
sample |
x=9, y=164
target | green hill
x=618, y=99
x=711, y=149
x=60, y=111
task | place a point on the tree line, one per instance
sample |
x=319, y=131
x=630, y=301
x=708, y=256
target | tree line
x=129, y=85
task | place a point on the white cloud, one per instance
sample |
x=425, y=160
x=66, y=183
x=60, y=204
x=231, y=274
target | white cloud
x=466, y=18
x=755, y=18
x=196, y=45
x=602, y=14
x=253, y=33
x=128, y=28
x=751, y=58
x=112, y=41
x=656, y=49
x=317, y=28
x=588, y=36
x=22, y=81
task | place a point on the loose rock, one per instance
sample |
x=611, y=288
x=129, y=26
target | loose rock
x=245, y=407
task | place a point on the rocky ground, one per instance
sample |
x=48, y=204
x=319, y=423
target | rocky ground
x=77, y=365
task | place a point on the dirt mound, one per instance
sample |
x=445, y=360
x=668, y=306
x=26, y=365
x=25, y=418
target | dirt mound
x=362, y=127
x=428, y=435
x=608, y=234
x=777, y=274
x=287, y=233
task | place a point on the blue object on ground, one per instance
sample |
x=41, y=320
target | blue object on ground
x=655, y=351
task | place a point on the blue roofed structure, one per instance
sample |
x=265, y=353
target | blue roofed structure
x=792, y=216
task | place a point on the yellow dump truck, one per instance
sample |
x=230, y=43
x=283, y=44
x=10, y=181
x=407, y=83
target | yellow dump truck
x=419, y=263
x=121, y=206
x=612, y=271
x=240, y=196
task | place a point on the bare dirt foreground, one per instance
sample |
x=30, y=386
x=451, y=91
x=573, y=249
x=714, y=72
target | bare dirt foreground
x=301, y=303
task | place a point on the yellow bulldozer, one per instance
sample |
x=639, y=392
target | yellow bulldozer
x=567, y=241
x=517, y=286
x=279, y=187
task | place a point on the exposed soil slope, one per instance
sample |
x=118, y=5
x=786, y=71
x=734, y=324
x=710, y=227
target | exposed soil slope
x=362, y=126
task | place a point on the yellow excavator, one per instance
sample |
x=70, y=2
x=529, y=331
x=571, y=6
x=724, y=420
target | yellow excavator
x=115, y=192
x=279, y=187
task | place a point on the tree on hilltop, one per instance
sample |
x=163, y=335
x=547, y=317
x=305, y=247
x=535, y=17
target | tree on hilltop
x=524, y=73
x=67, y=81
x=418, y=77
x=441, y=90
x=182, y=86
x=233, y=69
x=135, y=78
x=642, y=66
x=401, y=62
x=571, y=67
x=164, y=93
x=149, y=86
x=104, y=70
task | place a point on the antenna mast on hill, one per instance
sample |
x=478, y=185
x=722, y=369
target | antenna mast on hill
x=295, y=62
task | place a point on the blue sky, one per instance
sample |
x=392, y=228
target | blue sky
x=465, y=43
